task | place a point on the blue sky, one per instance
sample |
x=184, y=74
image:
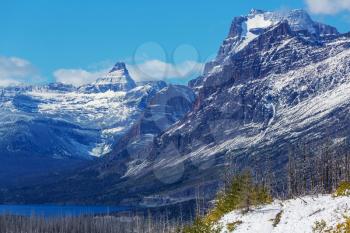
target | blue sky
x=42, y=40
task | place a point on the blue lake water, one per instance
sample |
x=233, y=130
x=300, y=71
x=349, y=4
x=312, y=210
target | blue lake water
x=57, y=211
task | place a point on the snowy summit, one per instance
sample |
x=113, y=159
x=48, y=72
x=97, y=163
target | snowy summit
x=245, y=29
x=118, y=79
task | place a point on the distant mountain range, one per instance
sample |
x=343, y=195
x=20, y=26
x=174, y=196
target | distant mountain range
x=278, y=79
x=59, y=122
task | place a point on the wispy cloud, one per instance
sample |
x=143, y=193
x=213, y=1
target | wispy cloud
x=159, y=70
x=146, y=71
x=328, y=6
x=77, y=77
x=14, y=71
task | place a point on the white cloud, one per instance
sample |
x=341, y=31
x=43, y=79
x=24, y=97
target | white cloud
x=159, y=70
x=328, y=6
x=77, y=77
x=14, y=71
x=149, y=70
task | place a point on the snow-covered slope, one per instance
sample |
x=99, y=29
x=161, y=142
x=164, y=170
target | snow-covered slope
x=59, y=120
x=296, y=215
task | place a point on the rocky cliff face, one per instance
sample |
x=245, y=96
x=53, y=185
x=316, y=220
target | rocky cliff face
x=167, y=107
x=277, y=80
x=273, y=84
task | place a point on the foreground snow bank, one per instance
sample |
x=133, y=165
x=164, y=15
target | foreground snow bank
x=296, y=216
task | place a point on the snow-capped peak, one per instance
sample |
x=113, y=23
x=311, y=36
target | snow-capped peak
x=256, y=21
x=119, y=66
x=256, y=11
x=118, y=75
x=245, y=29
x=118, y=79
x=298, y=20
x=252, y=26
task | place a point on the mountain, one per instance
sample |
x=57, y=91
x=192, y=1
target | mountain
x=72, y=122
x=279, y=79
x=245, y=29
x=61, y=123
x=166, y=108
x=118, y=79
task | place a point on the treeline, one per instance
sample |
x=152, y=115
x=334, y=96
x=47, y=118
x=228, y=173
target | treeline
x=88, y=224
x=317, y=169
x=240, y=193
x=305, y=168
x=311, y=169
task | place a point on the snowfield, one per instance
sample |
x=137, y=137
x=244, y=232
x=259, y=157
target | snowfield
x=297, y=215
x=92, y=117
